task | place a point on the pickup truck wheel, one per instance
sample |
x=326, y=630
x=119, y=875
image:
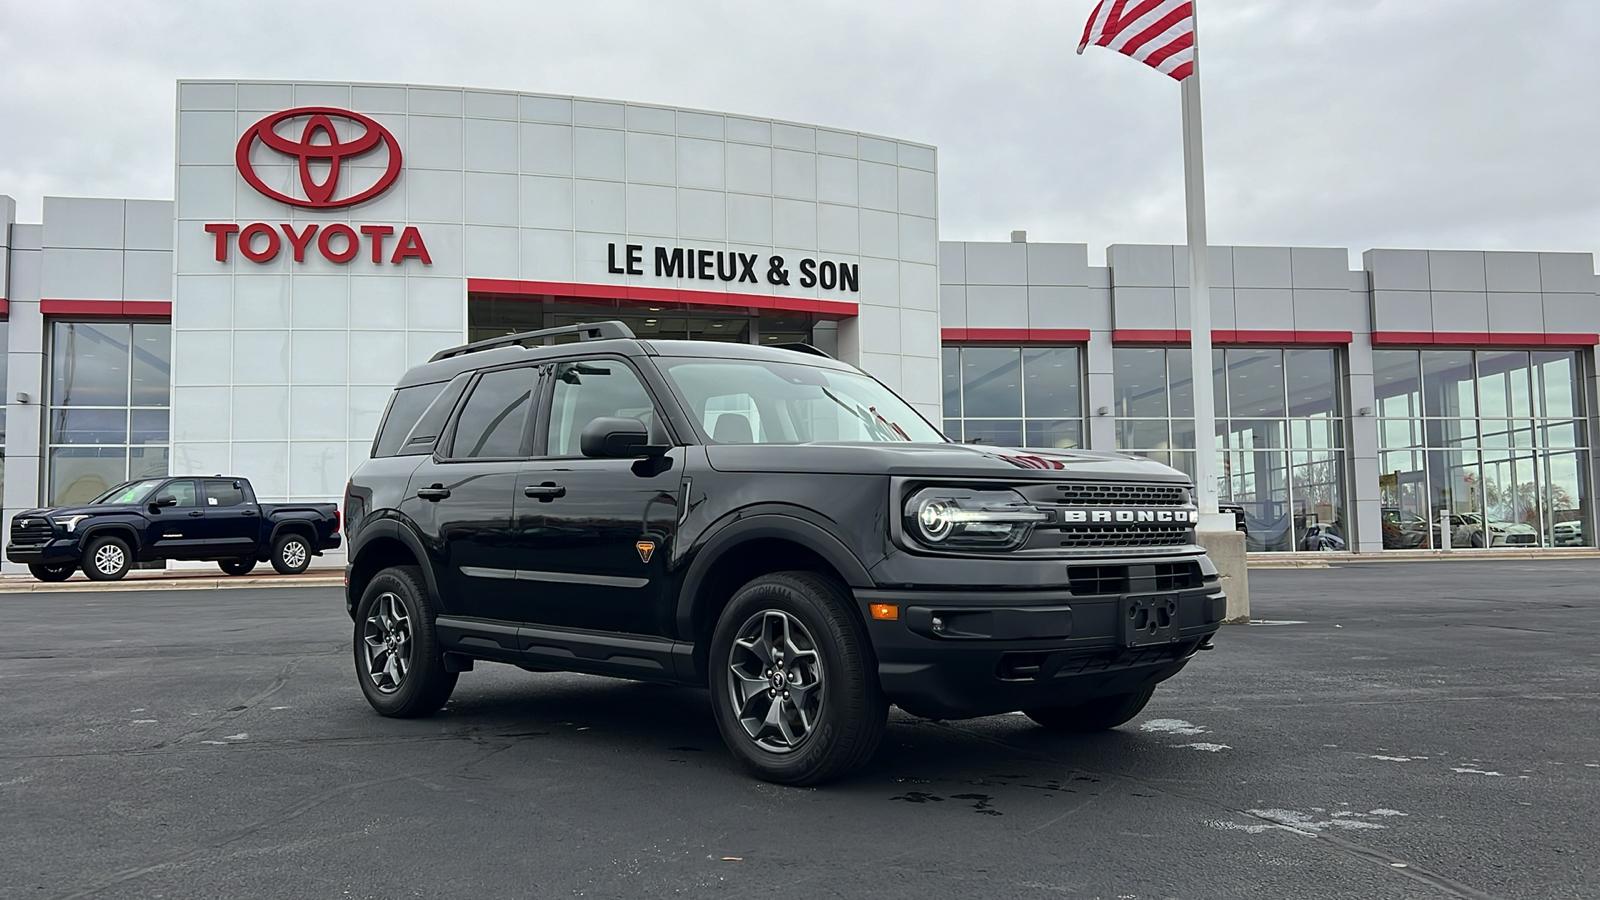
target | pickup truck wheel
x=107, y=558
x=59, y=572
x=398, y=661
x=1096, y=715
x=237, y=566
x=793, y=684
x=291, y=554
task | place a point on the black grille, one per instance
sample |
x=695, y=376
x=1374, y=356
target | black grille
x=1044, y=665
x=1084, y=494
x=30, y=531
x=1144, y=534
x=1086, y=581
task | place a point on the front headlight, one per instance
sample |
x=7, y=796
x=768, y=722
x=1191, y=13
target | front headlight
x=70, y=523
x=960, y=519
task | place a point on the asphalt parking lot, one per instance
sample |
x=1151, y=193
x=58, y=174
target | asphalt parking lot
x=1391, y=731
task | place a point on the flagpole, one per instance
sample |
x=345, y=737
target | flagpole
x=1194, y=189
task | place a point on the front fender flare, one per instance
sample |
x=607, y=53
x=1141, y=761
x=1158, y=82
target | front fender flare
x=782, y=523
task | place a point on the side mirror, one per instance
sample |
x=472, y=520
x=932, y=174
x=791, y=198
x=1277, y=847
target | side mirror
x=163, y=501
x=617, y=437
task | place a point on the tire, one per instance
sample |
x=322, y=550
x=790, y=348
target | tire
x=398, y=661
x=1102, y=714
x=107, y=558
x=237, y=566
x=291, y=553
x=830, y=662
x=1477, y=539
x=58, y=572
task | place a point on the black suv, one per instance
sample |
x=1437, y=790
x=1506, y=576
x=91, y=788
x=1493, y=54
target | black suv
x=767, y=522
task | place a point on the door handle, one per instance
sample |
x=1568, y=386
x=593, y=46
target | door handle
x=248, y=512
x=545, y=492
x=436, y=493
x=195, y=513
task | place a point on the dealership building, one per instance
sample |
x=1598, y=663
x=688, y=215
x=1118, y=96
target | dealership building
x=324, y=237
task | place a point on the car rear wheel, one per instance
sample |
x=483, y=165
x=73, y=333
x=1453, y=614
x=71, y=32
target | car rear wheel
x=107, y=558
x=794, y=688
x=1096, y=715
x=398, y=661
x=237, y=566
x=291, y=554
x=59, y=572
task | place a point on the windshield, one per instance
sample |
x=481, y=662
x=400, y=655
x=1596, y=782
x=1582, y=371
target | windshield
x=746, y=401
x=132, y=492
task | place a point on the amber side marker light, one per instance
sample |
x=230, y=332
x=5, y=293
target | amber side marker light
x=886, y=612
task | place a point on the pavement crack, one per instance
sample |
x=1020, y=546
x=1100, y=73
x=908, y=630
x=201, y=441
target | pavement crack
x=277, y=683
x=287, y=814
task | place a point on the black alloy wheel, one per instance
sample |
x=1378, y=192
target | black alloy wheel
x=56, y=572
x=794, y=687
x=398, y=661
x=291, y=554
x=107, y=558
x=1102, y=714
x=237, y=566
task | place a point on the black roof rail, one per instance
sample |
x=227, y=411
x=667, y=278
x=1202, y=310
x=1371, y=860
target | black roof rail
x=589, y=331
x=802, y=348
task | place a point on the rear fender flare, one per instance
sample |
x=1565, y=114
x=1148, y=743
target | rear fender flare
x=397, y=530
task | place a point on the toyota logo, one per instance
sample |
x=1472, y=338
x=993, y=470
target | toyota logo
x=319, y=143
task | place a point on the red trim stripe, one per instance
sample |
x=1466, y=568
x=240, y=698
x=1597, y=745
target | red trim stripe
x=137, y=309
x=1181, y=336
x=5, y=307
x=1483, y=339
x=1015, y=335
x=505, y=287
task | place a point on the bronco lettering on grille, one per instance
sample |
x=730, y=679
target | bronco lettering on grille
x=1110, y=516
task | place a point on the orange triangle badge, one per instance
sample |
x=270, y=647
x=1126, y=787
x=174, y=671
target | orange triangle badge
x=646, y=549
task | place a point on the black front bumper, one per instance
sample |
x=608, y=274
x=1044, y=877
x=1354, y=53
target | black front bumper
x=955, y=654
x=54, y=553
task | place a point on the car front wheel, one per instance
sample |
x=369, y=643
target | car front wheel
x=60, y=572
x=398, y=661
x=1096, y=715
x=793, y=684
x=107, y=559
x=291, y=554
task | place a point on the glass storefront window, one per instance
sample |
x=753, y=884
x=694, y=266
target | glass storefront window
x=1279, y=434
x=490, y=317
x=1495, y=453
x=109, y=393
x=1014, y=396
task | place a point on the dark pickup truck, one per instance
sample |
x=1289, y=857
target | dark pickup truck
x=172, y=518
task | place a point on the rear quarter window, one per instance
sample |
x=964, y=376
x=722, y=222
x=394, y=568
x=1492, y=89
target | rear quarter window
x=405, y=410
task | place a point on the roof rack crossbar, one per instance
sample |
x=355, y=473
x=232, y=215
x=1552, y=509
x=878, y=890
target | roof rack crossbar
x=589, y=331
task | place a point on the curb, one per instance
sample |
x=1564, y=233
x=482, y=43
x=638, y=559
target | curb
x=26, y=585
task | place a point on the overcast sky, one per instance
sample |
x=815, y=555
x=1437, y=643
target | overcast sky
x=1345, y=123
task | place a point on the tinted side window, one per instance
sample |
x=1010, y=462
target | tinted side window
x=587, y=390
x=183, y=490
x=428, y=428
x=222, y=492
x=405, y=408
x=495, y=416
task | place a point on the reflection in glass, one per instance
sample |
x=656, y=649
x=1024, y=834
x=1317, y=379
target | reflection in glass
x=991, y=381
x=1447, y=383
x=1060, y=434
x=950, y=369
x=1397, y=383
x=1255, y=383
x=1181, y=377
x=1141, y=382
x=151, y=356
x=1555, y=383
x=102, y=375
x=1143, y=434
x=89, y=426
x=1503, y=389
x=1313, y=382
x=89, y=364
x=1050, y=382
x=79, y=474
x=999, y=432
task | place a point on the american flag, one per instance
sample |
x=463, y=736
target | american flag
x=1158, y=33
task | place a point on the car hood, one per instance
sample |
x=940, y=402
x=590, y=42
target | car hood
x=948, y=460
x=84, y=509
